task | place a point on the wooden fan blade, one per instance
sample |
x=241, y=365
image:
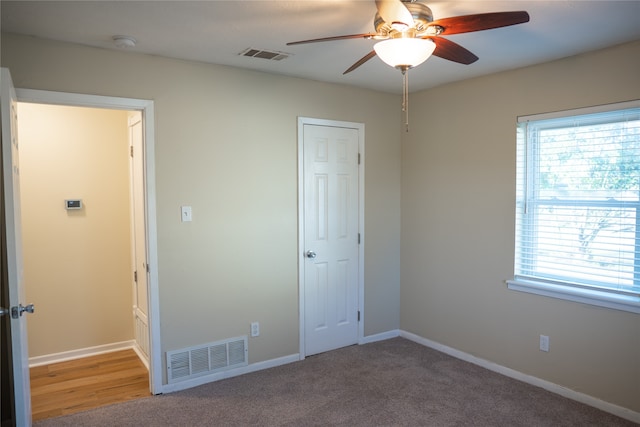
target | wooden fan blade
x=446, y=49
x=393, y=11
x=328, y=39
x=480, y=22
x=361, y=61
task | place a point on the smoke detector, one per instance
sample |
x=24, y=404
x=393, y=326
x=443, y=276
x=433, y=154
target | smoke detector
x=124, y=42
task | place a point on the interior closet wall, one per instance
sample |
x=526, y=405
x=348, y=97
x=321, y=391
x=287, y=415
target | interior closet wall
x=77, y=263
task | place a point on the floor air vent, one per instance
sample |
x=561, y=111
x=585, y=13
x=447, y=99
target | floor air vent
x=265, y=54
x=206, y=359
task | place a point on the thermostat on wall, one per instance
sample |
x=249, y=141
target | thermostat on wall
x=73, y=204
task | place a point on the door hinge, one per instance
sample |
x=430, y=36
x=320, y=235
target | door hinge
x=358, y=238
x=358, y=158
x=135, y=276
x=358, y=315
x=131, y=150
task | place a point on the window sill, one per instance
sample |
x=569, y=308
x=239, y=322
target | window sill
x=586, y=296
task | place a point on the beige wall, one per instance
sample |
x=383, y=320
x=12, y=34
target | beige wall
x=226, y=145
x=458, y=198
x=77, y=264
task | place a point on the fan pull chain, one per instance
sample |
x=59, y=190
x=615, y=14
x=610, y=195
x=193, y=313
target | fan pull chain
x=405, y=97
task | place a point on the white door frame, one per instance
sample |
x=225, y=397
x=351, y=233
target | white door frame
x=147, y=109
x=301, y=248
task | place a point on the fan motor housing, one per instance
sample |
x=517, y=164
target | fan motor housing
x=421, y=13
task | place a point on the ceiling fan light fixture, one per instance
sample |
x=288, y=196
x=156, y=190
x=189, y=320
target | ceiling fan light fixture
x=404, y=52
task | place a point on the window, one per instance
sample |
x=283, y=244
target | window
x=578, y=206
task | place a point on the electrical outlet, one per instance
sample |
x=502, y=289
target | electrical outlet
x=544, y=343
x=255, y=329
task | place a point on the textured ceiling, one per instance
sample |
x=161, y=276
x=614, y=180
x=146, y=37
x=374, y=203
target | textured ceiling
x=217, y=31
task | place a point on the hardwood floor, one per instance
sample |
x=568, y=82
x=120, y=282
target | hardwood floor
x=77, y=385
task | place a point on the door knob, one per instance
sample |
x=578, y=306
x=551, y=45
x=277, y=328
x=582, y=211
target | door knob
x=17, y=311
x=3, y=311
x=310, y=254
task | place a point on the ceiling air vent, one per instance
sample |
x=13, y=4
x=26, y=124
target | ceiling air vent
x=264, y=54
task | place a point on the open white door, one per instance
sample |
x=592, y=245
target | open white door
x=139, y=238
x=11, y=206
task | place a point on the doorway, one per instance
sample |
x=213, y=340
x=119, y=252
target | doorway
x=77, y=233
x=144, y=111
x=331, y=218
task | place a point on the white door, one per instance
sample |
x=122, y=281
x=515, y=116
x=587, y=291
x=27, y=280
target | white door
x=331, y=233
x=139, y=237
x=11, y=225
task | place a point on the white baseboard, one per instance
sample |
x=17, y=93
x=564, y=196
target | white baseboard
x=79, y=353
x=183, y=385
x=143, y=357
x=380, y=337
x=547, y=385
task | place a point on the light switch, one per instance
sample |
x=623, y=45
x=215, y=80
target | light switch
x=186, y=213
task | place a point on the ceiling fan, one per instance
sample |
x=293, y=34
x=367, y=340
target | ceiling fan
x=409, y=35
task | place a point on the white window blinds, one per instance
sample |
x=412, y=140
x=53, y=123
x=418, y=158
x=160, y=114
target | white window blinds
x=578, y=200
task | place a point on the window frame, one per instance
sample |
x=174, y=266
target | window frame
x=609, y=298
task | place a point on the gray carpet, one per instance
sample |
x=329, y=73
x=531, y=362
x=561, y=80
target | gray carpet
x=390, y=383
